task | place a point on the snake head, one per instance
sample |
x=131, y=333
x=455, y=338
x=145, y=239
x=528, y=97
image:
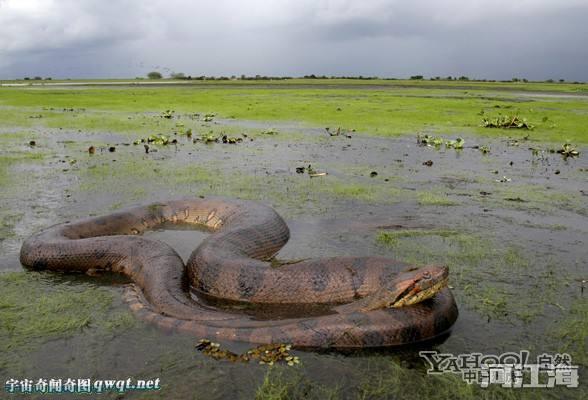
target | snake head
x=408, y=287
x=416, y=285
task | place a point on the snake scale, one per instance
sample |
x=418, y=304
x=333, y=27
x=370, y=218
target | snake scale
x=232, y=263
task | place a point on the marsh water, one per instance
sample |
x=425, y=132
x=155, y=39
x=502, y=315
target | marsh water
x=512, y=225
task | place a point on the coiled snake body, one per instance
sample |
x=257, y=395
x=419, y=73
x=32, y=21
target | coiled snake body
x=232, y=264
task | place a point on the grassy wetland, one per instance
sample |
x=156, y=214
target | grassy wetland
x=355, y=167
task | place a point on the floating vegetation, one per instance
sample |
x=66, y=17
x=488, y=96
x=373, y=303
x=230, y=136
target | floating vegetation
x=265, y=354
x=428, y=163
x=429, y=140
x=504, y=179
x=433, y=141
x=456, y=144
x=312, y=172
x=208, y=137
x=208, y=117
x=336, y=133
x=211, y=137
x=159, y=139
x=187, y=132
x=484, y=149
x=516, y=199
x=340, y=132
x=567, y=150
x=167, y=114
x=506, y=122
x=231, y=139
x=270, y=131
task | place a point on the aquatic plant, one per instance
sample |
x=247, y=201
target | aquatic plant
x=567, y=150
x=506, y=122
x=208, y=117
x=434, y=141
x=158, y=139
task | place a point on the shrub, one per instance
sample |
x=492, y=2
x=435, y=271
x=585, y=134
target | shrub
x=154, y=75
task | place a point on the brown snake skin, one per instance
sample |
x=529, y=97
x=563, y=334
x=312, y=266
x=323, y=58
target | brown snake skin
x=230, y=264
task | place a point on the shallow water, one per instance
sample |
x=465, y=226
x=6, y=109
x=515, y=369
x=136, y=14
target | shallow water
x=514, y=288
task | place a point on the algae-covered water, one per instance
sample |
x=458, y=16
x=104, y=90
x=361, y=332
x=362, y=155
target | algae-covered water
x=507, y=213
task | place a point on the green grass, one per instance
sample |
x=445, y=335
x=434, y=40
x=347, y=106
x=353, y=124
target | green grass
x=9, y=159
x=490, y=277
x=510, y=86
x=8, y=220
x=573, y=332
x=522, y=196
x=400, y=109
x=392, y=238
x=289, y=383
x=38, y=307
x=358, y=189
x=294, y=192
x=14, y=151
x=390, y=380
x=386, y=378
x=434, y=199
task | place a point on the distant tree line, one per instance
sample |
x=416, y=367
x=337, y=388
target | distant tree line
x=182, y=76
x=36, y=78
x=466, y=78
x=360, y=77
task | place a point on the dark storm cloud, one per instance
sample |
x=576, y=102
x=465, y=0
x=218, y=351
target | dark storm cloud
x=536, y=39
x=37, y=26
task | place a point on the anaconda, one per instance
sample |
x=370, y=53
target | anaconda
x=232, y=263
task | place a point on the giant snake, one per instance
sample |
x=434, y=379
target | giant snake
x=372, y=297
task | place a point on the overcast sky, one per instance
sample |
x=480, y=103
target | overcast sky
x=495, y=39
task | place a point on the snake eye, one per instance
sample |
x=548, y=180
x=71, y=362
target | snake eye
x=426, y=275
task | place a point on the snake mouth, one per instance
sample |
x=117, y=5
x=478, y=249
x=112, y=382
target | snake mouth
x=412, y=296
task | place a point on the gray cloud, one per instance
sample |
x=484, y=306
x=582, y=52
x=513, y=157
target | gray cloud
x=40, y=26
x=537, y=39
